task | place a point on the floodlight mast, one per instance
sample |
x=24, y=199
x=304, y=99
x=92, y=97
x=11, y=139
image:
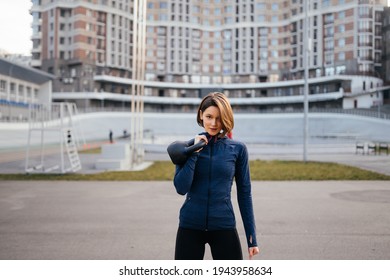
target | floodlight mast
x=306, y=51
x=137, y=86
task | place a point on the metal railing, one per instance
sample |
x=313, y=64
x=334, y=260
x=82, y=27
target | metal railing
x=371, y=113
x=356, y=112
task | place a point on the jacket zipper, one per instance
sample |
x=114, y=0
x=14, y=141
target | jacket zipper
x=208, y=189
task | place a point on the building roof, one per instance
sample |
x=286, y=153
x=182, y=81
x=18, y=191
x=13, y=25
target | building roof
x=25, y=73
x=195, y=101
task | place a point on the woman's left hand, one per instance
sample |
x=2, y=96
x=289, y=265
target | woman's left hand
x=253, y=251
x=200, y=138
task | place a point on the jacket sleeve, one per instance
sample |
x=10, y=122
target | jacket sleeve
x=244, y=196
x=184, y=174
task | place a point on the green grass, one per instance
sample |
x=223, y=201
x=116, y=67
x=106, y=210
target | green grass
x=298, y=170
x=260, y=170
x=97, y=150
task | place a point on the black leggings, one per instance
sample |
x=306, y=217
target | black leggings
x=224, y=244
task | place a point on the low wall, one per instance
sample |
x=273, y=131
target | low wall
x=250, y=128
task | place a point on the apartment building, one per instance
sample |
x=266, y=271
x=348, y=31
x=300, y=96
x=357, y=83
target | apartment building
x=386, y=54
x=252, y=50
x=75, y=40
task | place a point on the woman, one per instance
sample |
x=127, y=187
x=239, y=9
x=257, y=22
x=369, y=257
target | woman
x=206, y=178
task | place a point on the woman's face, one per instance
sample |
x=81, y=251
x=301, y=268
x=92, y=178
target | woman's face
x=211, y=120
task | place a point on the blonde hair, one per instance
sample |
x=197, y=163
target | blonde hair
x=219, y=100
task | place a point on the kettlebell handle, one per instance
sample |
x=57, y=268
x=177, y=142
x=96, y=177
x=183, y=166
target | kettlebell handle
x=179, y=151
x=191, y=148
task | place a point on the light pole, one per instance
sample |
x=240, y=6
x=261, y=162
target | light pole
x=137, y=87
x=306, y=85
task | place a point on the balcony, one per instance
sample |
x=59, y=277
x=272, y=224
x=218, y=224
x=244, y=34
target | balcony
x=36, y=63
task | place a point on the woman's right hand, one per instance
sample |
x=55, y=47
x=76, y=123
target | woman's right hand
x=253, y=251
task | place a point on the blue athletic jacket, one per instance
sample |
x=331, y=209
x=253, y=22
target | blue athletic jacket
x=207, y=178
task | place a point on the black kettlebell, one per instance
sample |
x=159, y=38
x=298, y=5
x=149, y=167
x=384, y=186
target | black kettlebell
x=179, y=151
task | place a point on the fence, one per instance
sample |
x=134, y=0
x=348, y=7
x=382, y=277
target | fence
x=10, y=113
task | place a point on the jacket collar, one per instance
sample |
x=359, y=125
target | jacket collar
x=212, y=139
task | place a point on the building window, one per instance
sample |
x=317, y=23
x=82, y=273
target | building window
x=329, y=18
x=364, y=11
x=329, y=31
x=364, y=25
x=21, y=90
x=12, y=88
x=163, y=17
x=260, y=6
x=261, y=18
x=263, y=66
x=329, y=45
x=325, y=3
x=149, y=66
x=226, y=69
x=365, y=40
x=3, y=86
x=161, y=66
x=28, y=91
x=340, y=69
x=329, y=58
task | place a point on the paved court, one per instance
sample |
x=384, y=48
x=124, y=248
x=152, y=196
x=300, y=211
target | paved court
x=138, y=220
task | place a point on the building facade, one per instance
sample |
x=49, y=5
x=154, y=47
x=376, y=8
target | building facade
x=386, y=54
x=252, y=50
x=76, y=40
x=21, y=86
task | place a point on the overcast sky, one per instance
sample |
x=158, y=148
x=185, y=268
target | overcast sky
x=15, y=26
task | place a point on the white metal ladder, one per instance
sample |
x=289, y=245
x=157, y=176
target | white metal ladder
x=59, y=138
x=71, y=150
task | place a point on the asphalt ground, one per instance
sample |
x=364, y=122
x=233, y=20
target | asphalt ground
x=138, y=220
x=325, y=220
